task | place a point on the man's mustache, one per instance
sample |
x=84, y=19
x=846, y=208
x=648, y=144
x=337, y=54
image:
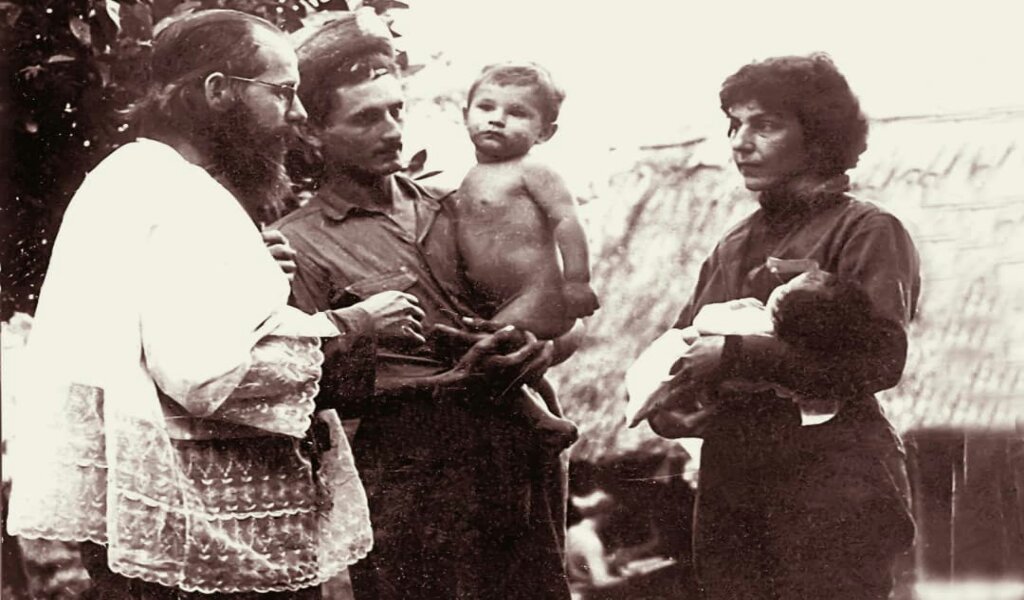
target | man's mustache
x=292, y=133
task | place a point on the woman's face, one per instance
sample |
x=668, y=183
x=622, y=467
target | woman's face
x=768, y=146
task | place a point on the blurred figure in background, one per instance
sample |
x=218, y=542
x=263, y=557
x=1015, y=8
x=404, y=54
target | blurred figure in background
x=629, y=531
x=590, y=565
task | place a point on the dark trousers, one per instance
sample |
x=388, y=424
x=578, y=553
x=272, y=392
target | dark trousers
x=463, y=506
x=107, y=585
x=820, y=513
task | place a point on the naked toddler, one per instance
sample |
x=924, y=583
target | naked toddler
x=516, y=217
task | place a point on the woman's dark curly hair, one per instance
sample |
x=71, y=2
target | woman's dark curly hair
x=811, y=88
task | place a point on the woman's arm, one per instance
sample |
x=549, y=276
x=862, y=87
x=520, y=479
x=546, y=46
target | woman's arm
x=881, y=258
x=770, y=359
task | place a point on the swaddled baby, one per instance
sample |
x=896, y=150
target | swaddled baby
x=815, y=311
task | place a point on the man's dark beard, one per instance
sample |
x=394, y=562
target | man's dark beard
x=247, y=157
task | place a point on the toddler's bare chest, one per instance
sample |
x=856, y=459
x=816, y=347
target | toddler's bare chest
x=506, y=201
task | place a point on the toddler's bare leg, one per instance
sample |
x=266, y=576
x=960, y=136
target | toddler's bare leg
x=558, y=432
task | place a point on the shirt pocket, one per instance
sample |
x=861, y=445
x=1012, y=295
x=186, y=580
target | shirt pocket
x=399, y=280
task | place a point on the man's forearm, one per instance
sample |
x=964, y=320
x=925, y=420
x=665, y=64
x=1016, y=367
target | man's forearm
x=392, y=387
x=357, y=392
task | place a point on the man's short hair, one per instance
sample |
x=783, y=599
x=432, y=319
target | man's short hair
x=526, y=74
x=317, y=90
x=811, y=88
x=188, y=50
x=355, y=48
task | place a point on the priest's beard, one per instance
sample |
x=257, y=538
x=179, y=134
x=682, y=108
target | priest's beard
x=248, y=158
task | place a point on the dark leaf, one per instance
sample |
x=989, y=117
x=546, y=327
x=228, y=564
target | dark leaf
x=381, y=6
x=427, y=174
x=291, y=19
x=104, y=71
x=320, y=5
x=417, y=161
x=32, y=71
x=105, y=18
x=138, y=21
x=11, y=12
x=413, y=69
x=185, y=7
x=162, y=8
x=180, y=9
x=80, y=29
x=114, y=12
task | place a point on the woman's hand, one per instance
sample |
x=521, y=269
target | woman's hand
x=700, y=362
x=396, y=316
x=281, y=250
x=672, y=424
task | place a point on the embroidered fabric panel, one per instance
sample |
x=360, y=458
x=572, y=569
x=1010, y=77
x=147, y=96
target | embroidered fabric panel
x=217, y=515
x=277, y=393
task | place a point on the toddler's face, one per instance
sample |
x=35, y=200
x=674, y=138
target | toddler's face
x=505, y=121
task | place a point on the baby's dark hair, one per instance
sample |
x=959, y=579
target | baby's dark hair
x=524, y=74
x=833, y=317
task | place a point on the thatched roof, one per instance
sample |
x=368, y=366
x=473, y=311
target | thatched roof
x=956, y=181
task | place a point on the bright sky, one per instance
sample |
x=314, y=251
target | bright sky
x=648, y=72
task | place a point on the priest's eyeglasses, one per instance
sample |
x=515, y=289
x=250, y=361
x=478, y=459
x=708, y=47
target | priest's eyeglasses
x=286, y=92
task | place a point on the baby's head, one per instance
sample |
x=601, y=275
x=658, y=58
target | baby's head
x=821, y=312
x=510, y=108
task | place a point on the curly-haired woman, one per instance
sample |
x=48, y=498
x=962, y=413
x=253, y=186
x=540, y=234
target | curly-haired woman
x=788, y=511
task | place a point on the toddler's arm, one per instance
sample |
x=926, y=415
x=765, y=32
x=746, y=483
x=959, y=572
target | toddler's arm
x=552, y=195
